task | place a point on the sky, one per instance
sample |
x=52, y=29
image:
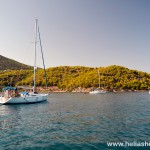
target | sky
x=89, y=33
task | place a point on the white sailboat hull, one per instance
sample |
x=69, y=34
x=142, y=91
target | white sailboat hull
x=98, y=92
x=36, y=98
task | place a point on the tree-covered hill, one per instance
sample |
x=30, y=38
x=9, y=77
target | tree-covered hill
x=9, y=64
x=69, y=78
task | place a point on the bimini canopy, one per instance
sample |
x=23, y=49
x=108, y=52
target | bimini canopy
x=25, y=93
x=9, y=88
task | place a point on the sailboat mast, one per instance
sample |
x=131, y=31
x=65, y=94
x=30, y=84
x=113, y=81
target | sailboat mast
x=35, y=67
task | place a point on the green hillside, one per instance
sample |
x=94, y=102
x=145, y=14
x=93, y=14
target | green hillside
x=69, y=78
x=9, y=64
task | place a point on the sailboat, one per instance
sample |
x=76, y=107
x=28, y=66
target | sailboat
x=98, y=91
x=10, y=95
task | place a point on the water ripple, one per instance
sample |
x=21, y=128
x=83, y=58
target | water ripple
x=76, y=121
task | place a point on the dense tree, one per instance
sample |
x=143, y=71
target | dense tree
x=69, y=78
x=6, y=63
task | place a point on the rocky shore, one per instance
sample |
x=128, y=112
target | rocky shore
x=79, y=89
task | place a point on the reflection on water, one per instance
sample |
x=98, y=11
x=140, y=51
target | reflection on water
x=76, y=121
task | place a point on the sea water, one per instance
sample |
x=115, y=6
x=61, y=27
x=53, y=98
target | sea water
x=77, y=121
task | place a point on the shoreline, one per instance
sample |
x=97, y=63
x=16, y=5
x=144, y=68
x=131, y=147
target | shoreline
x=54, y=89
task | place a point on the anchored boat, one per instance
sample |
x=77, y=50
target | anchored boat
x=10, y=95
x=98, y=91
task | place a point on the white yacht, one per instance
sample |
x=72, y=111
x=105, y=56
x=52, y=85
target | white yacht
x=10, y=94
x=98, y=91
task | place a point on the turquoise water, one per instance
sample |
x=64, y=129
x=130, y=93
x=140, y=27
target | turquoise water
x=76, y=121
